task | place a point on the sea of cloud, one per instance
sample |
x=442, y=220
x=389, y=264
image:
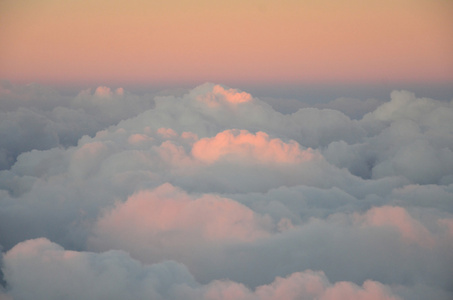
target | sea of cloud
x=216, y=195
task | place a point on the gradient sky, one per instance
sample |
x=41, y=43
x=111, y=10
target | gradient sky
x=251, y=41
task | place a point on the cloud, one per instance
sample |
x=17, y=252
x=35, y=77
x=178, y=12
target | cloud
x=106, y=92
x=166, y=222
x=352, y=107
x=39, y=269
x=212, y=194
x=398, y=218
x=220, y=95
x=407, y=136
x=33, y=117
x=258, y=147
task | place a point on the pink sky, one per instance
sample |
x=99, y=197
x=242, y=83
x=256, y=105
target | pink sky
x=175, y=41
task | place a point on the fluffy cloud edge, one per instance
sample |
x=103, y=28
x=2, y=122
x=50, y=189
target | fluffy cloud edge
x=39, y=269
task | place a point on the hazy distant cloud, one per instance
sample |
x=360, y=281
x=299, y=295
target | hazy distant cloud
x=34, y=117
x=24, y=130
x=407, y=136
x=397, y=217
x=220, y=95
x=103, y=91
x=243, y=199
x=352, y=107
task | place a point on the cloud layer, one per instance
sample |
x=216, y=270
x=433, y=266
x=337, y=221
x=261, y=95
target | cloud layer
x=215, y=195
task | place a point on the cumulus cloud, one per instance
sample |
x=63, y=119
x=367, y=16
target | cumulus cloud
x=220, y=95
x=399, y=219
x=33, y=117
x=250, y=146
x=352, y=107
x=213, y=194
x=166, y=223
x=407, y=136
x=38, y=269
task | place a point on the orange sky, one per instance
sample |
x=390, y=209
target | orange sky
x=252, y=41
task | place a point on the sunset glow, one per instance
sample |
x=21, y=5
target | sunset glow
x=177, y=41
x=226, y=150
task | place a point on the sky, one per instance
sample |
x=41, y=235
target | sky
x=226, y=150
x=144, y=43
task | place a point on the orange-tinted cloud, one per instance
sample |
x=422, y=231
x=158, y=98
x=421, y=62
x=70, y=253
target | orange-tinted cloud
x=221, y=95
x=398, y=218
x=243, y=145
x=168, y=215
x=300, y=285
x=166, y=132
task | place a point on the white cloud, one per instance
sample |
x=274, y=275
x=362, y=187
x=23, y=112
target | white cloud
x=34, y=117
x=244, y=199
x=38, y=269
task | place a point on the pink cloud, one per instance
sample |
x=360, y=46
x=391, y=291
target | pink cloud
x=167, y=133
x=169, y=216
x=90, y=149
x=106, y=92
x=175, y=155
x=371, y=290
x=300, y=285
x=138, y=138
x=309, y=284
x=190, y=136
x=30, y=248
x=103, y=91
x=248, y=146
x=220, y=95
x=119, y=91
x=398, y=218
x=227, y=290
